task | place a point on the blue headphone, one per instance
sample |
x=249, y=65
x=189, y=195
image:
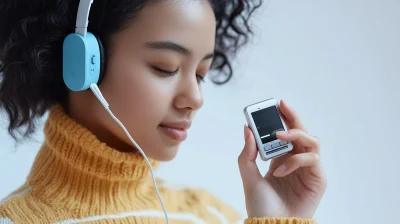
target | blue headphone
x=83, y=53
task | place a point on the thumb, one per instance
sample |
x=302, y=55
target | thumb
x=247, y=160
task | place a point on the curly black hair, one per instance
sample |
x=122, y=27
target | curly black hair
x=31, y=37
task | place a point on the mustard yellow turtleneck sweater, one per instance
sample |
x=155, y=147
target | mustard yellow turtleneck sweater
x=76, y=178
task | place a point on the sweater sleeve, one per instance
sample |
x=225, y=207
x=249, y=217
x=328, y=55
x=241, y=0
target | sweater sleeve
x=227, y=213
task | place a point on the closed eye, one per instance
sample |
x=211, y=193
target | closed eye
x=167, y=73
x=200, y=78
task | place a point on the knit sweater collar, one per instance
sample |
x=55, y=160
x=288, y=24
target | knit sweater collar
x=73, y=164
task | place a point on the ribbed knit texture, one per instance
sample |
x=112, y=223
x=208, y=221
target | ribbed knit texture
x=278, y=221
x=75, y=178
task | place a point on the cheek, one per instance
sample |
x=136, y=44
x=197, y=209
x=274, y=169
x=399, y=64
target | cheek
x=137, y=95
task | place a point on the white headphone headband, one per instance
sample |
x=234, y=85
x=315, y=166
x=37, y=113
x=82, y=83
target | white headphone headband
x=82, y=19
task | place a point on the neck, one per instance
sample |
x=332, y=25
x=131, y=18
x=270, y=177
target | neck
x=90, y=121
x=74, y=167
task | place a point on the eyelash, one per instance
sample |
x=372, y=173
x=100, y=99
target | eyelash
x=168, y=73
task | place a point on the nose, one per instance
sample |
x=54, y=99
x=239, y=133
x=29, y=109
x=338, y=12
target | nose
x=189, y=95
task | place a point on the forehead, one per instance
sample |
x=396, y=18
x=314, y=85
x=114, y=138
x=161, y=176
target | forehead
x=188, y=22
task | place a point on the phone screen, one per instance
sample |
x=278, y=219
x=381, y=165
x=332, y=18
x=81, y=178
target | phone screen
x=267, y=122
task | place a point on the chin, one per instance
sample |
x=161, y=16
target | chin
x=166, y=154
x=161, y=151
x=162, y=154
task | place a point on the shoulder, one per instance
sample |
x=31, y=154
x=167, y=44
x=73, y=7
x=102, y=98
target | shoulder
x=4, y=217
x=20, y=192
x=13, y=204
x=196, y=197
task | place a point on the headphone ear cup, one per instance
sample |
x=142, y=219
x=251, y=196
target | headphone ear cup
x=102, y=58
x=81, y=61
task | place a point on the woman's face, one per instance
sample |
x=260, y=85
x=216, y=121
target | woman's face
x=175, y=37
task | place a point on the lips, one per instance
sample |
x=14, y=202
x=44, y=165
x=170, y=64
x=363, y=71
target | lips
x=176, y=130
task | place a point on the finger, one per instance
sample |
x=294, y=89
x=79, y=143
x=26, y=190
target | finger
x=247, y=160
x=301, y=138
x=295, y=162
x=291, y=117
x=277, y=162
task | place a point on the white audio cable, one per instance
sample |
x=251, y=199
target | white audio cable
x=95, y=89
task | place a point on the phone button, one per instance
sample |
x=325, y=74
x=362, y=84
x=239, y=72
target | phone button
x=276, y=145
x=275, y=142
x=284, y=143
x=267, y=147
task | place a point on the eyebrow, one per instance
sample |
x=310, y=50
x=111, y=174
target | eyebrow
x=171, y=46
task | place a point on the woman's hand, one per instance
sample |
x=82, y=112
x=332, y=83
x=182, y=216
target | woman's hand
x=295, y=182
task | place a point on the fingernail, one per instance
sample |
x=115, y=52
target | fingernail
x=287, y=105
x=246, y=134
x=281, y=170
x=281, y=133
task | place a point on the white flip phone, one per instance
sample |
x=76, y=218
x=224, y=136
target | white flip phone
x=264, y=119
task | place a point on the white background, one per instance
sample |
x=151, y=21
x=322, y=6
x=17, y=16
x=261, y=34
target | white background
x=338, y=64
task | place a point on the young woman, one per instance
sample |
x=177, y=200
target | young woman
x=157, y=55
